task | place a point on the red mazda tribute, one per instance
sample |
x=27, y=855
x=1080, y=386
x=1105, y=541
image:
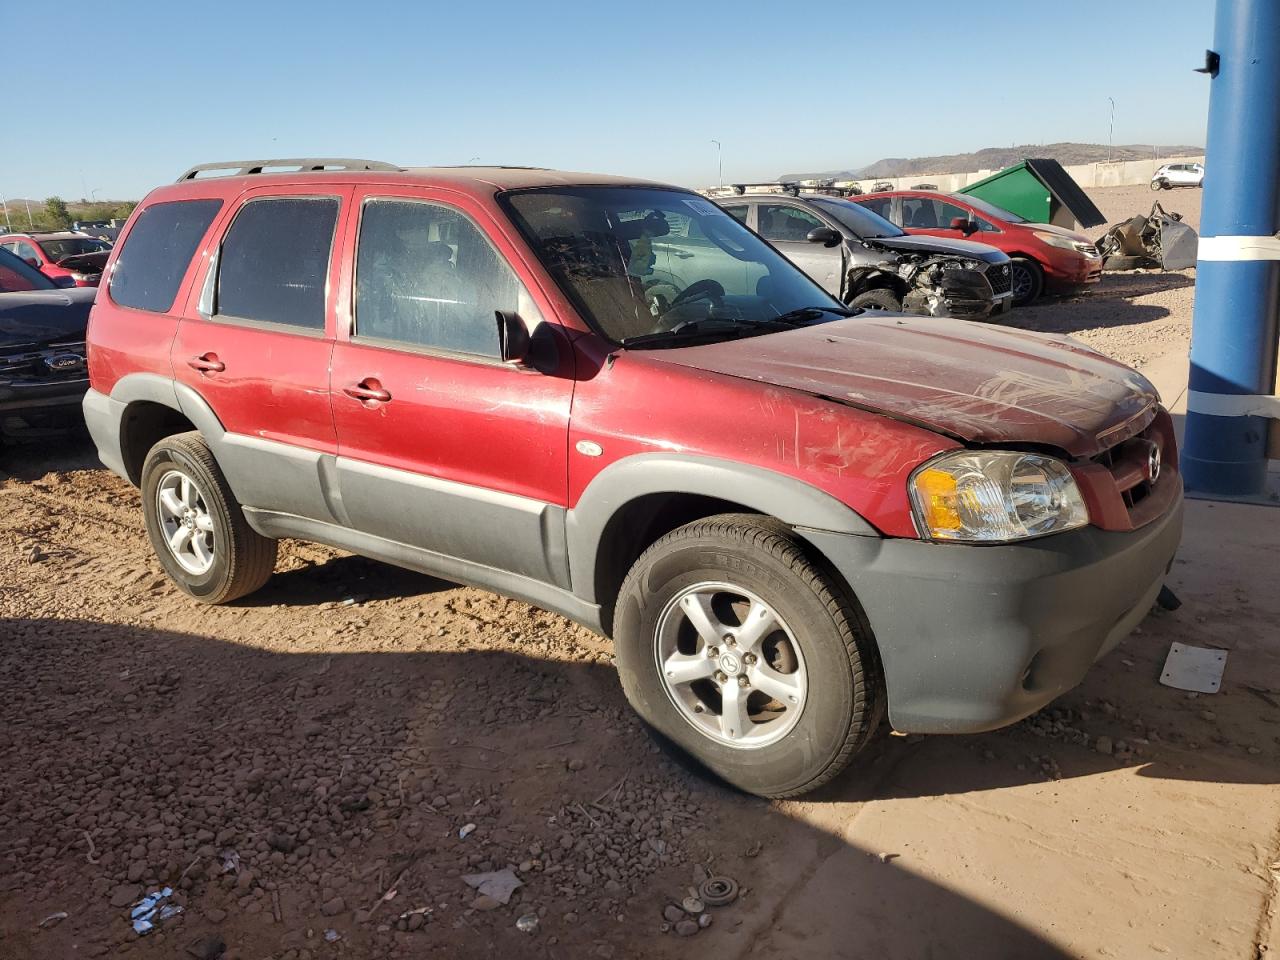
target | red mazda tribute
x=790, y=517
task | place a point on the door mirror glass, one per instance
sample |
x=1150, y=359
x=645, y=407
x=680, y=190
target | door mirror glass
x=827, y=236
x=964, y=225
x=513, y=337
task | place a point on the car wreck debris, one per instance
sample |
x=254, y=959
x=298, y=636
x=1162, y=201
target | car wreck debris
x=1160, y=239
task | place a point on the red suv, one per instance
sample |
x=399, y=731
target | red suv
x=1045, y=257
x=789, y=516
x=69, y=259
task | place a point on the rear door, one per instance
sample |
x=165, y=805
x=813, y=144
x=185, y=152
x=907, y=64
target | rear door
x=256, y=343
x=441, y=445
x=932, y=217
x=786, y=226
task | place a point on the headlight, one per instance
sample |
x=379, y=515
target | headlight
x=1064, y=243
x=995, y=496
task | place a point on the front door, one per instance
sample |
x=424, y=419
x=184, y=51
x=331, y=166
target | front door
x=256, y=347
x=441, y=445
x=787, y=226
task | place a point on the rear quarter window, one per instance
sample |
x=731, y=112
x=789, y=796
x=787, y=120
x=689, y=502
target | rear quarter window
x=155, y=255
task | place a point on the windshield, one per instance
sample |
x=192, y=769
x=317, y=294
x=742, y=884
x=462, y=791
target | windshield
x=991, y=210
x=646, y=262
x=61, y=249
x=864, y=223
x=16, y=275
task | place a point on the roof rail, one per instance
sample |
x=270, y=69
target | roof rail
x=241, y=168
x=794, y=188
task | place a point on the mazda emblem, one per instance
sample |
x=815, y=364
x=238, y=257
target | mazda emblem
x=1153, y=463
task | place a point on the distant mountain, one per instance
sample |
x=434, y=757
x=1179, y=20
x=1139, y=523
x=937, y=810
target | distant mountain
x=996, y=158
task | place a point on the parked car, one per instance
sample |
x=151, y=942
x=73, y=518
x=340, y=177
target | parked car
x=1172, y=175
x=70, y=259
x=869, y=263
x=790, y=520
x=1045, y=256
x=42, y=364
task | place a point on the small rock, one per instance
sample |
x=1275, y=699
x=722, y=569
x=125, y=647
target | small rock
x=687, y=928
x=415, y=921
x=214, y=915
x=331, y=908
x=672, y=914
x=1103, y=745
x=208, y=948
x=125, y=894
x=1208, y=715
x=1254, y=751
x=485, y=903
x=575, y=764
x=705, y=920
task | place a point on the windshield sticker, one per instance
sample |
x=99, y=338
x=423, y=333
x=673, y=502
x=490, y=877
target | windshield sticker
x=701, y=206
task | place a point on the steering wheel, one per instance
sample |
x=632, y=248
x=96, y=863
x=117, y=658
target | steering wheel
x=699, y=290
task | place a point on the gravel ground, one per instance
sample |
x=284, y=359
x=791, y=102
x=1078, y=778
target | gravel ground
x=314, y=770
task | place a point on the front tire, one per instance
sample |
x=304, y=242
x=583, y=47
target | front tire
x=736, y=647
x=877, y=299
x=196, y=527
x=1027, y=279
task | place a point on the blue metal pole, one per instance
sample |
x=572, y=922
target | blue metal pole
x=1233, y=339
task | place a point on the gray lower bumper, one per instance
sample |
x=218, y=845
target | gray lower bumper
x=977, y=637
x=102, y=416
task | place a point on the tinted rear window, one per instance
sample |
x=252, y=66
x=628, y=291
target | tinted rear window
x=275, y=260
x=156, y=253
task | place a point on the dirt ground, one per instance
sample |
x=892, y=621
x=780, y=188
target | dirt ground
x=314, y=769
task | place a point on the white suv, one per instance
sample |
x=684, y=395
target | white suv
x=1178, y=175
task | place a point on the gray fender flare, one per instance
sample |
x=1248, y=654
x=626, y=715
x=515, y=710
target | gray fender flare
x=790, y=500
x=154, y=388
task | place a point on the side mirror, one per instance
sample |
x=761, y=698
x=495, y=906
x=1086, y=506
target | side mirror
x=33, y=261
x=964, y=225
x=827, y=236
x=513, y=337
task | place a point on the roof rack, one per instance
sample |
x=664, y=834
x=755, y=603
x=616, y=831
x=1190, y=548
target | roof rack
x=241, y=168
x=792, y=188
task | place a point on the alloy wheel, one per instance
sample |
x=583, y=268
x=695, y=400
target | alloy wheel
x=730, y=665
x=186, y=522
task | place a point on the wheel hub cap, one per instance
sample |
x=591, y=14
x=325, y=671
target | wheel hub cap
x=185, y=522
x=730, y=665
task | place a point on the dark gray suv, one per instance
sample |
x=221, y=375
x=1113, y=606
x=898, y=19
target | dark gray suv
x=868, y=262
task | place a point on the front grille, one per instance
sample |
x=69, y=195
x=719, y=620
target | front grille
x=44, y=363
x=1000, y=276
x=1132, y=482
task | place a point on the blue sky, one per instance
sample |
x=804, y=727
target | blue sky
x=127, y=96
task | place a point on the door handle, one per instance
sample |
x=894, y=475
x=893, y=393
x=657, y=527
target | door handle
x=368, y=389
x=207, y=363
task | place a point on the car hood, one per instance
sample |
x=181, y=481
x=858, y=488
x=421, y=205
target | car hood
x=1060, y=231
x=945, y=245
x=44, y=316
x=973, y=382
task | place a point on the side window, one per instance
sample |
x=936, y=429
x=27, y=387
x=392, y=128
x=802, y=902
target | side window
x=157, y=251
x=785, y=224
x=738, y=212
x=274, y=262
x=879, y=205
x=427, y=276
x=27, y=252
x=984, y=225
x=948, y=212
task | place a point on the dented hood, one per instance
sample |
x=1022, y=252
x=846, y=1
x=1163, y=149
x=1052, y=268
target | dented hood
x=970, y=381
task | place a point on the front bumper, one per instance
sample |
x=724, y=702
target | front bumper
x=973, y=638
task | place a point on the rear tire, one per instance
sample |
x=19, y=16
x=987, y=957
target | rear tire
x=1028, y=281
x=196, y=527
x=786, y=645
x=877, y=299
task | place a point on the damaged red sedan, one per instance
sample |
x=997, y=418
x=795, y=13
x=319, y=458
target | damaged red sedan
x=68, y=259
x=611, y=399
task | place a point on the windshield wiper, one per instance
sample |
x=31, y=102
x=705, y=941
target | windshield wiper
x=798, y=316
x=708, y=326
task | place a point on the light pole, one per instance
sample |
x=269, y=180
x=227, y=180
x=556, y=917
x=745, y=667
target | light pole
x=30, y=222
x=93, y=194
x=1112, y=134
x=720, y=160
x=7, y=225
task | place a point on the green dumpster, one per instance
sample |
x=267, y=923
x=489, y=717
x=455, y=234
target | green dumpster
x=1040, y=191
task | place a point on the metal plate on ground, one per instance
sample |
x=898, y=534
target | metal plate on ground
x=1194, y=668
